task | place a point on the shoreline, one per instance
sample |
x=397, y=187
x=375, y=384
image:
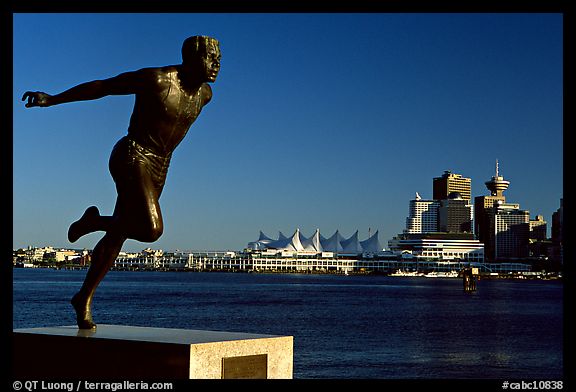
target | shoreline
x=481, y=276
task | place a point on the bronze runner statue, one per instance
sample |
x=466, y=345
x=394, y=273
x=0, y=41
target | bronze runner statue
x=168, y=100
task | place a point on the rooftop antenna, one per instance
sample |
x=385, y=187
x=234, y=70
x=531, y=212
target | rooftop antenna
x=496, y=167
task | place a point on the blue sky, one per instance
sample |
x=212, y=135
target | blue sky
x=328, y=121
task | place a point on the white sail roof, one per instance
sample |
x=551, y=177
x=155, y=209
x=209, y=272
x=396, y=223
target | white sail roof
x=280, y=243
x=351, y=245
x=312, y=244
x=297, y=242
x=264, y=238
x=287, y=243
x=332, y=244
x=372, y=244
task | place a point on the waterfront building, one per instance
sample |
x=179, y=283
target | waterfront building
x=61, y=255
x=327, y=262
x=318, y=243
x=450, y=182
x=422, y=216
x=439, y=246
x=36, y=255
x=274, y=260
x=152, y=261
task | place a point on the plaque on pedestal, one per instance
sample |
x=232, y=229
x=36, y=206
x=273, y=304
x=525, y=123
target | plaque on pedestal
x=126, y=352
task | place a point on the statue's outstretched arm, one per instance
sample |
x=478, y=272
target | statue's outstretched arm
x=123, y=84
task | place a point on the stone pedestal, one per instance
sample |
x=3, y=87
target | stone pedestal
x=125, y=352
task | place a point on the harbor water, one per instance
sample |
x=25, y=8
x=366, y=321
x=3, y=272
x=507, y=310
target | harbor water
x=344, y=327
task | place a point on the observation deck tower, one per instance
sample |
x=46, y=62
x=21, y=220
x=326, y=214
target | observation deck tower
x=497, y=185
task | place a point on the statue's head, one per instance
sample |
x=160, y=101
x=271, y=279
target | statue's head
x=203, y=54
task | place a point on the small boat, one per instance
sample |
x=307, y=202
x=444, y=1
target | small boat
x=406, y=273
x=442, y=274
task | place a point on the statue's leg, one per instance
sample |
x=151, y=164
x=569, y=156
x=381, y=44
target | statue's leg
x=139, y=182
x=89, y=222
x=136, y=216
x=103, y=258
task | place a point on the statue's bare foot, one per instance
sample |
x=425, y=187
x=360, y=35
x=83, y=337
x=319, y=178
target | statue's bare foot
x=84, y=225
x=83, y=313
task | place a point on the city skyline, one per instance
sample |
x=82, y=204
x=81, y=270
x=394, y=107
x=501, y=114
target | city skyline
x=318, y=121
x=371, y=235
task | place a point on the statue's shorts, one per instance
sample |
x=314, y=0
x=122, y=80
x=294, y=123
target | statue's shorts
x=133, y=167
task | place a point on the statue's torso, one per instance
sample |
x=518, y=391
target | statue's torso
x=164, y=111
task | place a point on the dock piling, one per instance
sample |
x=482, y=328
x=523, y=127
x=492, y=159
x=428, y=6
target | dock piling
x=469, y=279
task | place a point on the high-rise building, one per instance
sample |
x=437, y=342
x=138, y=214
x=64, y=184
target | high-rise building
x=539, y=246
x=422, y=216
x=538, y=228
x=503, y=227
x=483, y=206
x=449, y=211
x=557, y=235
x=455, y=214
x=441, y=229
x=450, y=182
x=511, y=232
